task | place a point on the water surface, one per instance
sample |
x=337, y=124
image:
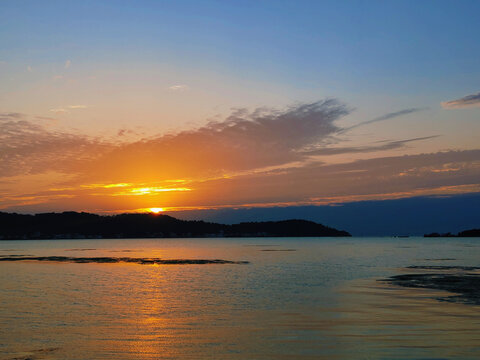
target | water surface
x=302, y=298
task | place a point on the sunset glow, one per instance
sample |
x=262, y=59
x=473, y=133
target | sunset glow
x=150, y=190
x=127, y=131
x=156, y=210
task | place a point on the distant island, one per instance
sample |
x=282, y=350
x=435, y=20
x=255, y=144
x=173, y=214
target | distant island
x=465, y=233
x=75, y=225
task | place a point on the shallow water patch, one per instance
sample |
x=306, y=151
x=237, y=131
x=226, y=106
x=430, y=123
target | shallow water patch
x=112, y=260
x=458, y=280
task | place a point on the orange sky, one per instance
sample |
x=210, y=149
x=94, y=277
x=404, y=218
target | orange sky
x=298, y=155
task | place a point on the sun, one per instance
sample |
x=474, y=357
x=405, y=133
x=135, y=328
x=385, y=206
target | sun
x=156, y=210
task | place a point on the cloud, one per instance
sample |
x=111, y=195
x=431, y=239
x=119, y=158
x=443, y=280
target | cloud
x=68, y=63
x=464, y=102
x=11, y=115
x=46, y=118
x=179, y=88
x=385, y=117
x=28, y=148
x=261, y=140
x=58, y=110
x=62, y=110
x=265, y=155
x=126, y=132
x=388, y=145
x=29, y=68
x=314, y=184
x=378, y=178
x=245, y=140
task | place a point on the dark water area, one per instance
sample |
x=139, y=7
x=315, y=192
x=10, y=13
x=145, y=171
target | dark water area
x=249, y=298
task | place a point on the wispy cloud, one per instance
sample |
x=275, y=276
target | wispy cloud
x=341, y=199
x=387, y=145
x=68, y=63
x=464, y=102
x=29, y=68
x=29, y=148
x=58, y=110
x=244, y=142
x=11, y=116
x=62, y=110
x=316, y=184
x=265, y=155
x=179, y=88
x=385, y=117
x=46, y=118
x=380, y=178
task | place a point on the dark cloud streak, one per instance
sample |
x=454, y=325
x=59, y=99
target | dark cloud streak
x=464, y=102
x=384, y=117
x=389, y=145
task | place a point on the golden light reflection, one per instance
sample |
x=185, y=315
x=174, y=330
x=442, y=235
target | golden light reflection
x=151, y=190
x=136, y=189
x=105, y=186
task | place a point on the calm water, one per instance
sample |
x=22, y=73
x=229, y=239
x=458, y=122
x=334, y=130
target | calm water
x=321, y=301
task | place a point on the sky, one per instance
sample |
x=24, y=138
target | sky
x=191, y=106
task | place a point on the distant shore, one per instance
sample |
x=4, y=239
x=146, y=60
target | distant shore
x=74, y=225
x=465, y=233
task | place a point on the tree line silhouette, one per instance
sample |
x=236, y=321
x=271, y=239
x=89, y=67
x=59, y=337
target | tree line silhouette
x=81, y=225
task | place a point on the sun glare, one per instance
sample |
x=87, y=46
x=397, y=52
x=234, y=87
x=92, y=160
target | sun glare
x=156, y=210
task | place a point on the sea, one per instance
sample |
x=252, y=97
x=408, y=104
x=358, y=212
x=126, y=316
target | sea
x=296, y=298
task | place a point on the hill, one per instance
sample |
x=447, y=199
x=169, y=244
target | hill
x=74, y=225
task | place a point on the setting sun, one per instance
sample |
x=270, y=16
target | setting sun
x=156, y=210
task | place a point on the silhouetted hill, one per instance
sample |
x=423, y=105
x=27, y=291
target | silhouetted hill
x=73, y=225
x=465, y=233
x=284, y=228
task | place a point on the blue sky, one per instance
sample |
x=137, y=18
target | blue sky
x=392, y=43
